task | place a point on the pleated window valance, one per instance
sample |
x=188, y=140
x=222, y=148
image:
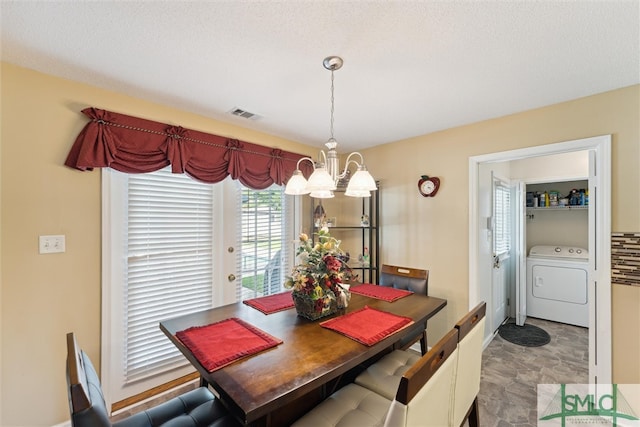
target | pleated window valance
x=134, y=145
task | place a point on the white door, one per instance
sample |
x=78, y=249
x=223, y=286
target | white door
x=171, y=246
x=499, y=294
x=501, y=236
x=521, y=255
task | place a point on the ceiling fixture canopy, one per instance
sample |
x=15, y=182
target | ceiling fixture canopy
x=326, y=172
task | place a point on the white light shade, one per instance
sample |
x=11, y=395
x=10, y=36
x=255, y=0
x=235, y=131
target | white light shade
x=321, y=180
x=297, y=184
x=322, y=194
x=362, y=180
x=357, y=193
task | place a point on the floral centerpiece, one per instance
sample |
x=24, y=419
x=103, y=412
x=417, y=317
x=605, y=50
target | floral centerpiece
x=318, y=280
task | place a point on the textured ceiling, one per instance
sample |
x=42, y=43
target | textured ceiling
x=410, y=68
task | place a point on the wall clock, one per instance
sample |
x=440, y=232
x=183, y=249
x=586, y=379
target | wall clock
x=428, y=186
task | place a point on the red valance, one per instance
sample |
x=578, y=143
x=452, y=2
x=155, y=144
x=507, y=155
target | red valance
x=134, y=145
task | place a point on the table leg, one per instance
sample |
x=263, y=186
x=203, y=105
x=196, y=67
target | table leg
x=203, y=382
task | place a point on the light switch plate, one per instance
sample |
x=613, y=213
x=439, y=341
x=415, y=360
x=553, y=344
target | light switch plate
x=52, y=244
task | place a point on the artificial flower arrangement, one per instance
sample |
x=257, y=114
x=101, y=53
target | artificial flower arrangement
x=318, y=280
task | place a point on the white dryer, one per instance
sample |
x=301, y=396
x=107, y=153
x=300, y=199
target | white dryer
x=557, y=284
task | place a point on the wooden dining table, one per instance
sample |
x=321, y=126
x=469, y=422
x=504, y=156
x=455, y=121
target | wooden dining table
x=278, y=384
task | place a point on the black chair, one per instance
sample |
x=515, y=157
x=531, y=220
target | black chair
x=414, y=280
x=198, y=407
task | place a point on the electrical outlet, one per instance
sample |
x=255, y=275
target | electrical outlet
x=52, y=244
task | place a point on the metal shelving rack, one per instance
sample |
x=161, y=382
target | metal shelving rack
x=368, y=235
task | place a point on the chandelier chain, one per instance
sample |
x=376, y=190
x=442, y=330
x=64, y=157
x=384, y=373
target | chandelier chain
x=332, y=109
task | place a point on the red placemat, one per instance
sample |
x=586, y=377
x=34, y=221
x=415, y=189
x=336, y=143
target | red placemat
x=221, y=343
x=272, y=303
x=367, y=325
x=385, y=293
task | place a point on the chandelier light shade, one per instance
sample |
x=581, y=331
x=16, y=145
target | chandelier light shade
x=357, y=193
x=326, y=172
x=297, y=184
x=362, y=180
x=320, y=180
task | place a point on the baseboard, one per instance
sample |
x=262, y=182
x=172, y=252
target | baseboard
x=64, y=424
x=157, y=396
x=487, y=340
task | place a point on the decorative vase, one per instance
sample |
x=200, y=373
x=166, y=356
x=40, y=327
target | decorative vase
x=315, y=308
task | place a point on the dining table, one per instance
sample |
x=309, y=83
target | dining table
x=274, y=386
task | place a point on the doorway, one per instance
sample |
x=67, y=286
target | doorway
x=599, y=154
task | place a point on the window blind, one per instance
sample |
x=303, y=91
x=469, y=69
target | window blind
x=502, y=218
x=169, y=264
x=262, y=258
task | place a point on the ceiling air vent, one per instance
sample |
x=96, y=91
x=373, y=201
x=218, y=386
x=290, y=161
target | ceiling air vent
x=244, y=114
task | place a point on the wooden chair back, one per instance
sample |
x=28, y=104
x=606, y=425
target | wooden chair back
x=412, y=279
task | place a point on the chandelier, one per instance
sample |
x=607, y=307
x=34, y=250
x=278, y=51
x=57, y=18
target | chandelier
x=326, y=172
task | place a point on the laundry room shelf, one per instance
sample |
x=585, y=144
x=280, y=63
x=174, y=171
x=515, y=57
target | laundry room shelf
x=559, y=208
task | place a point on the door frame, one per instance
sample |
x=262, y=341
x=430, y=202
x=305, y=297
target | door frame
x=599, y=147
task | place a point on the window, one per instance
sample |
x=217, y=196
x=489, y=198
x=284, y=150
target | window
x=167, y=253
x=264, y=236
x=502, y=217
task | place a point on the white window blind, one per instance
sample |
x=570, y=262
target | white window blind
x=166, y=254
x=502, y=218
x=263, y=236
x=169, y=264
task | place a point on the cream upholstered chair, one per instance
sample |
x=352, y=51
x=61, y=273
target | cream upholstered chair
x=352, y=405
x=425, y=391
x=416, y=281
x=470, y=336
x=384, y=376
x=422, y=398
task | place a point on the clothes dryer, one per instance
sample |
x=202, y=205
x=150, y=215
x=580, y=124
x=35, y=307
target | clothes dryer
x=557, y=284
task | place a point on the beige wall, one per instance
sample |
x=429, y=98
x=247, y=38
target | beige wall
x=1, y=302
x=46, y=296
x=433, y=232
x=43, y=297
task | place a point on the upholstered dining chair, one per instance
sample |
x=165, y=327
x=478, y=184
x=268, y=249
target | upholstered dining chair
x=423, y=396
x=470, y=337
x=197, y=407
x=425, y=390
x=416, y=281
x=384, y=376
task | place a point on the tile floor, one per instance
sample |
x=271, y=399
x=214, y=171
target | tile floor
x=510, y=373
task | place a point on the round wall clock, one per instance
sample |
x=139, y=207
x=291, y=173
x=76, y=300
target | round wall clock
x=428, y=186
